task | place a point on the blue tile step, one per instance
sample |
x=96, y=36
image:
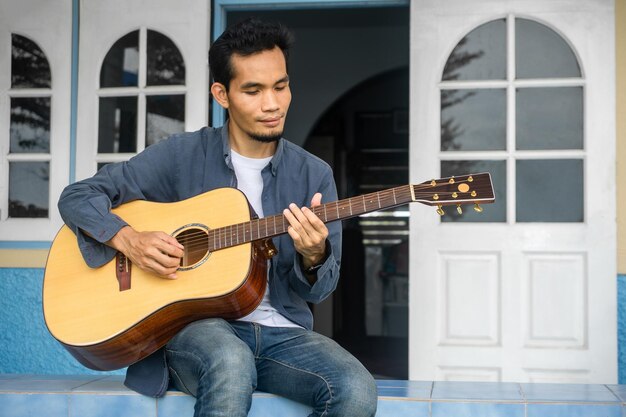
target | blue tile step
x=106, y=396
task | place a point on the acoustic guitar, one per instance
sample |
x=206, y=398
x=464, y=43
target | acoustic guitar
x=112, y=316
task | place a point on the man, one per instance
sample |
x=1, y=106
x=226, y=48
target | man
x=273, y=348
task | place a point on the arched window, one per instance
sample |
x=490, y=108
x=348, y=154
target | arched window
x=29, y=130
x=507, y=109
x=141, y=95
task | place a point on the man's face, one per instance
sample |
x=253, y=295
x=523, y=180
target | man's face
x=259, y=95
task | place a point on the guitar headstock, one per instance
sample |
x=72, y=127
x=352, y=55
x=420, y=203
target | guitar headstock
x=457, y=190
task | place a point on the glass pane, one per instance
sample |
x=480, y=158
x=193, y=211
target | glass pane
x=30, y=125
x=28, y=189
x=473, y=120
x=494, y=212
x=117, y=125
x=165, y=116
x=549, y=118
x=550, y=190
x=481, y=54
x=534, y=43
x=29, y=65
x=165, y=63
x=121, y=64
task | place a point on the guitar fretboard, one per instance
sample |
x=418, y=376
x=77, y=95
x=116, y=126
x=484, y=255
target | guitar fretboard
x=267, y=227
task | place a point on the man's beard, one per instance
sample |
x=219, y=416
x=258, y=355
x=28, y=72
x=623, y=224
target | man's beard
x=266, y=138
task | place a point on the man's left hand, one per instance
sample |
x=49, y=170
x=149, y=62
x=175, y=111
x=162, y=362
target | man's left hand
x=308, y=232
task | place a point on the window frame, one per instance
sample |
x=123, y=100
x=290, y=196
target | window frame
x=186, y=27
x=55, y=40
x=510, y=155
x=142, y=91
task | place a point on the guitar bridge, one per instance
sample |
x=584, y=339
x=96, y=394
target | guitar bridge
x=123, y=268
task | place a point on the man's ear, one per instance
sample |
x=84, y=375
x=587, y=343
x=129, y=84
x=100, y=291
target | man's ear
x=219, y=93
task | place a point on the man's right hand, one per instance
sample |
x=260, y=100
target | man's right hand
x=155, y=252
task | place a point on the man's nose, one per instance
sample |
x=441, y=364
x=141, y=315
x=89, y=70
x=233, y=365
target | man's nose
x=270, y=102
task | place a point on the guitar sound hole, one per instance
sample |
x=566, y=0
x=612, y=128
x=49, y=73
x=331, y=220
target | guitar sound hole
x=195, y=240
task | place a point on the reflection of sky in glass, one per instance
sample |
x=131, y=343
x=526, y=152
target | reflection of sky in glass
x=478, y=122
x=28, y=184
x=549, y=118
x=542, y=53
x=30, y=125
x=550, y=190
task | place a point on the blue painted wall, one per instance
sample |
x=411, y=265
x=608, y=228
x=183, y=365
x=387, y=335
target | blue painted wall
x=26, y=347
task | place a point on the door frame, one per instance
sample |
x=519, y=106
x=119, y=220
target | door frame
x=222, y=7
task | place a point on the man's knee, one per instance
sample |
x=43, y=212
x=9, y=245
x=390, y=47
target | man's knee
x=358, y=394
x=353, y=394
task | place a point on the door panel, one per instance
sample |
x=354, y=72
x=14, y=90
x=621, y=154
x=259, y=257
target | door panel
x=526, y=290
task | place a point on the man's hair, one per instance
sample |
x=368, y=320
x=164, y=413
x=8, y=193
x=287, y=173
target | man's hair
x=244, y=38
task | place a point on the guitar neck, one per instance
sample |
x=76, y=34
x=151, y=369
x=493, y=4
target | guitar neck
x=465, y=189
x=271, y=226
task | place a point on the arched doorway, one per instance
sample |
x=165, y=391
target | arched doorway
x=364, y=135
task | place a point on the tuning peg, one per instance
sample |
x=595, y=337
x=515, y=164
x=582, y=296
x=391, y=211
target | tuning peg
x=459, y=209
x=440, y=210
x=478, y=208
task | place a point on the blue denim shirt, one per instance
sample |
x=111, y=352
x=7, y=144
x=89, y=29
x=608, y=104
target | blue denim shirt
x=189, y=164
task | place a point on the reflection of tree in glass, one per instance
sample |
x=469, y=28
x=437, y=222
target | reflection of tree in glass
x=458, y=59
x=29, y=66
x=30, y=123
x=165, y=63
x=449, y=129
x=19, y=209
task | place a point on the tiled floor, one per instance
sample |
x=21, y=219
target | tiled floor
x=89, y=396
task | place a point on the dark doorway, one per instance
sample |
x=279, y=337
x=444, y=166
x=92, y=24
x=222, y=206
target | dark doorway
x=369, y=129
x=349, y=80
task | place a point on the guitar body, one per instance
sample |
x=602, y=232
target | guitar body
x=108, y=327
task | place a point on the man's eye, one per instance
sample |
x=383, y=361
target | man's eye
x=251, y=93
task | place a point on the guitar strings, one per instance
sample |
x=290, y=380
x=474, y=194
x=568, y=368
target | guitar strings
x=195, y=240
x=199, y=240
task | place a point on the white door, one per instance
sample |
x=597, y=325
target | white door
x=143, y=74
x=525, y=291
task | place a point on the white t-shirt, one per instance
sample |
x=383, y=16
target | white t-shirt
x=250, y=182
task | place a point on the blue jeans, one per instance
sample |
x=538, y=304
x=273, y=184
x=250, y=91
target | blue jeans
x=221, y=363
